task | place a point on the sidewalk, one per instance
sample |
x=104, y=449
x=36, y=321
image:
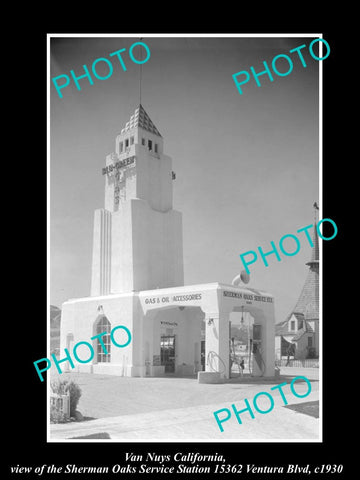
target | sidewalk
x=195, y=424
x=178, y=409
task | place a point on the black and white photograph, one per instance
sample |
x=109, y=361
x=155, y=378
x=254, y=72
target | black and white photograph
x=188, y=239
x=184, y=238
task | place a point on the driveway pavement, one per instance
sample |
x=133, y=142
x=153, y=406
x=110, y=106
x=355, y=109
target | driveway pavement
x=181, y=409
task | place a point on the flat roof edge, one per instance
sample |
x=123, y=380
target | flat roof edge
x=183, y=288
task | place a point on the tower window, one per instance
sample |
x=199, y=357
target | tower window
x=156, y=147
x=150, y=144
x=143, y=141
x=132, y=140
x=121, y=146
x=103, y=326
x=126, y=143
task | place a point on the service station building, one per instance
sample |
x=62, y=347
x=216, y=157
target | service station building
x=138, y=278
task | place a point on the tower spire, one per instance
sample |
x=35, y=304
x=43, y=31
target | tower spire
x=316, y=208
x=314, y=262
x=308, y=302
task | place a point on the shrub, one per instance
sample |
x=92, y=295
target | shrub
x=62, y=387
x=75, y=394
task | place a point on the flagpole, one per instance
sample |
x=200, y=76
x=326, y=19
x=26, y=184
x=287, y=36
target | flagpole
x=140, y=76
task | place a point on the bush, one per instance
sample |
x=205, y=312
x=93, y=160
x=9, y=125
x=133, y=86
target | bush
x=75, y=394
x=62, y=387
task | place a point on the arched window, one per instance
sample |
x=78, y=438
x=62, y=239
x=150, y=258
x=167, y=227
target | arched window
x=103, y=325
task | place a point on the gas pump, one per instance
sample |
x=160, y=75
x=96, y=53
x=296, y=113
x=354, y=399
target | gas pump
x=256, y=344
x=257, y=347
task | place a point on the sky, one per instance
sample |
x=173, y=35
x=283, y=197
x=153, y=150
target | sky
x=247, y=166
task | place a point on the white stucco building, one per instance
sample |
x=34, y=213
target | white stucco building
x=138, y=277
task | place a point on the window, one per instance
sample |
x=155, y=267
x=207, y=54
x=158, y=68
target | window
x=143, y=141
x=300, y=324
x=132, y=140
x=310, y=343
x=103, y=326
x=121, y=146
x=126, y=143
x=150, y=144
x=156, y=148
x=292, y=325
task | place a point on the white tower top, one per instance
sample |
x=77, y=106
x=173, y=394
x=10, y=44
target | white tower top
x=142, y=120
x=138, y=235
x=138, y=168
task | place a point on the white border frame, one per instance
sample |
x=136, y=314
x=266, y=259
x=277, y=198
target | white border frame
x=192, y=35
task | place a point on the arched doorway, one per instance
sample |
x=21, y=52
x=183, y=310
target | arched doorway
x=173, y=339
x=260, y=349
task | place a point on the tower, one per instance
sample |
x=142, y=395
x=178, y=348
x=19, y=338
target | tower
x=299, y=333
x=137, y=243
x=308, y=302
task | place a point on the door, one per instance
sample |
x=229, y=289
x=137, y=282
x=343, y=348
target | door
x=167, y=352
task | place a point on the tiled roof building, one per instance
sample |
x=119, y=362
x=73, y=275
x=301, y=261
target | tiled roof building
x=308, y=302
x=301, y=327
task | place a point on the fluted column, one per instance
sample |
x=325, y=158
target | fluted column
x=101, y=262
